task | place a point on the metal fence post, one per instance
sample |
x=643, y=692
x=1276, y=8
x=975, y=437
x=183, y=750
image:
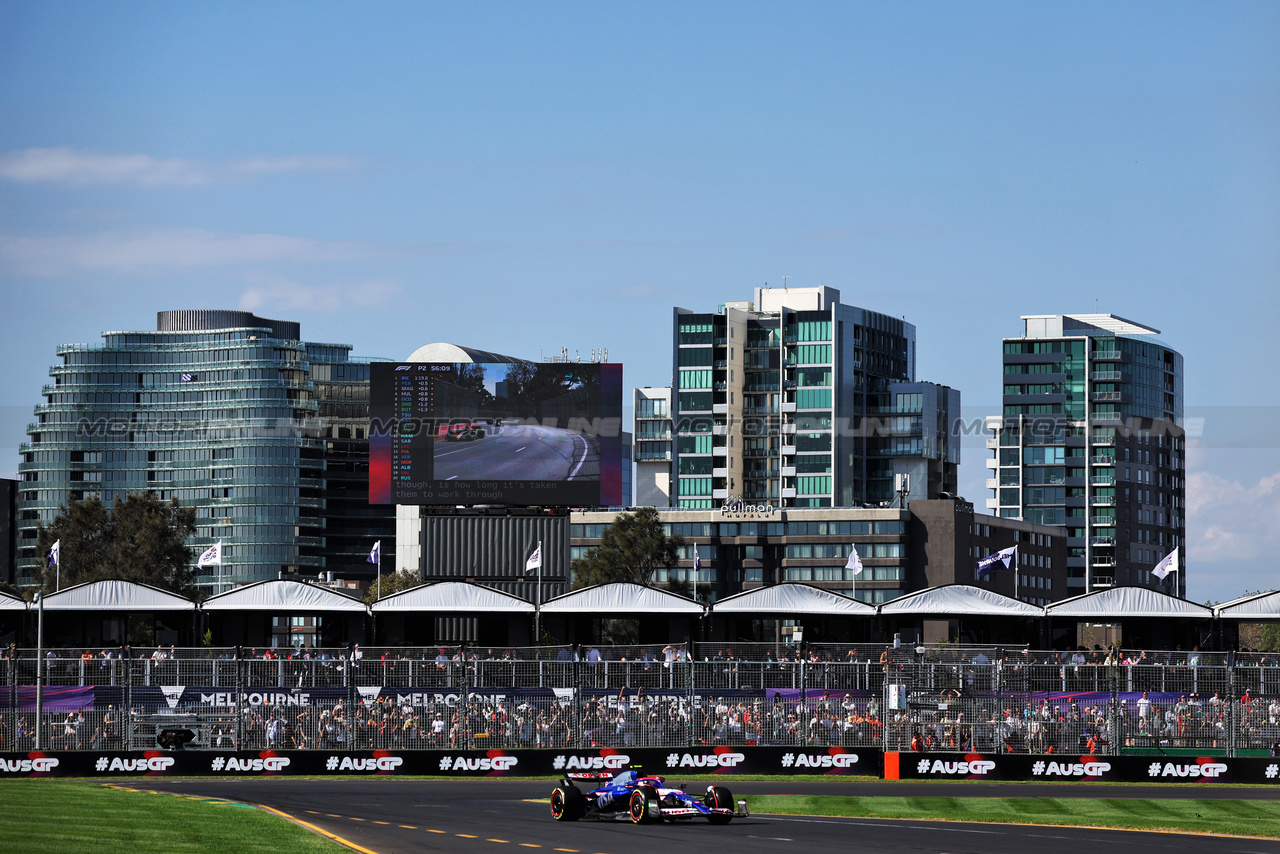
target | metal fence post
x=1232, y=699
x=692, y=694
x=803, y=717
x=239, y=698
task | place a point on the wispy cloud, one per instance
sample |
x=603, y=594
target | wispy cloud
x=162, y=248
x=1230, y=520
x=88, y=168
x=283, y=295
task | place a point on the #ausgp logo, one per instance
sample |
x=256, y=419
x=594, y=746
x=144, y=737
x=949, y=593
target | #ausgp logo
x=39, y=764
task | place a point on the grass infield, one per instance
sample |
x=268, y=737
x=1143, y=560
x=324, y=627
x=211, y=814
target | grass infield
x=1232, y=818
x=57, y=816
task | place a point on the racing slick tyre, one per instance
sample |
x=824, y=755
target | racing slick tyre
x=644, y=805
x=718, y=797
x=568, y=803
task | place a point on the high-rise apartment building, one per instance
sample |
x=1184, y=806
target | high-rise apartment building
x=797, y=399
x=1091, y=439
x=230, y=413
x=652, y=413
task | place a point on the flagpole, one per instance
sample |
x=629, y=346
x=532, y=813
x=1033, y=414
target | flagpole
x=537, y=612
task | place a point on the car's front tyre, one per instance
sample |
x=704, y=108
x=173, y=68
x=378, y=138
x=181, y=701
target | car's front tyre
x=718, y=797
x=644, y=805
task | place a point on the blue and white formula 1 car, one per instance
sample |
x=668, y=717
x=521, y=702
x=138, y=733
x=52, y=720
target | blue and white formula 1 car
x=642, y=799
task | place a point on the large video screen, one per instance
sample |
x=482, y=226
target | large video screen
x=523, y=433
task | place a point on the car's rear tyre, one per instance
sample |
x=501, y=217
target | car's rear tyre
x=718, y=797
x=567, y=803
x=644, y=805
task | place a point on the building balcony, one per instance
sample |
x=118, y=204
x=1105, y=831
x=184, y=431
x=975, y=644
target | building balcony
x=719, y=451
x=993, y=444
x=719, y=409
x=1102, y=441
x=1102, y=541
x=788, y=492
x=1105, y=418
x=1109, y=377
x=1103, y=480
x=1108, y=356
x=720, y=472
x=720, y=493
x=1103, y=560
x=788, y=450
x=1106, y=521
x=719, y=430
x=1103, y=501
x=788, y=429
x=992, y=463
x=993, y=483
x=788, y=407
x=720, y=363
x=1104, y=581
x=788, y=471
x=1103, y=461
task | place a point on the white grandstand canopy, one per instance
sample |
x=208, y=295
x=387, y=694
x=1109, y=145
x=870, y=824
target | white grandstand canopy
x=958, y=600
x=1255, y=606
x=790, y=598
x=452, y=597
x=1127, y=602
x=621, y=598
x=9, y=602
x=280, y=595
x=116, y=595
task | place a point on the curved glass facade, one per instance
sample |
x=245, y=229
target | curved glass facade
x=224, y=419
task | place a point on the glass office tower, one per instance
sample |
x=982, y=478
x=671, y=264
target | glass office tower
x=1091, y=439
x=792, y=398
x=229, y=413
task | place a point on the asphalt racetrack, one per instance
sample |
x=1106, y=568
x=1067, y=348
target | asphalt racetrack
x=389, y=816
x=519, y=452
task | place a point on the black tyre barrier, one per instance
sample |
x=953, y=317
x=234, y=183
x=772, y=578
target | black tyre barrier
x=671, y=763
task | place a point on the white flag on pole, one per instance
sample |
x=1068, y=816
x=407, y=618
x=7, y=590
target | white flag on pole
x=855, y=562
x=55, y=554
x=535, y=560
x=212, y=555
x=1166, y=566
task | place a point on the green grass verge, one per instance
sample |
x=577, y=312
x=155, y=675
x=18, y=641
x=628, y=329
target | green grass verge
x=1235, y=818
x=58, y=816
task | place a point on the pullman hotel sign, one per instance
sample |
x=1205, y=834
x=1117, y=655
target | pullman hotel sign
x=736, y=508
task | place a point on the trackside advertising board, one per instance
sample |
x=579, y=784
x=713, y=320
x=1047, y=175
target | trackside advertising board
x=668, y=762
x=1192, y=770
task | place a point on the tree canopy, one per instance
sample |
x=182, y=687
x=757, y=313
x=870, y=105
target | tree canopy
x=631, y=549
x=139, y=538
x=393, y=583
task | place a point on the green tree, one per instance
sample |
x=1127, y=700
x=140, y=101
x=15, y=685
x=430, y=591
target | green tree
x=632, y=548
x=394, y=583
x=140, y=538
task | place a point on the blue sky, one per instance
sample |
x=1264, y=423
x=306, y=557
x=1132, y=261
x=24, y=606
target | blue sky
x=523, y=177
